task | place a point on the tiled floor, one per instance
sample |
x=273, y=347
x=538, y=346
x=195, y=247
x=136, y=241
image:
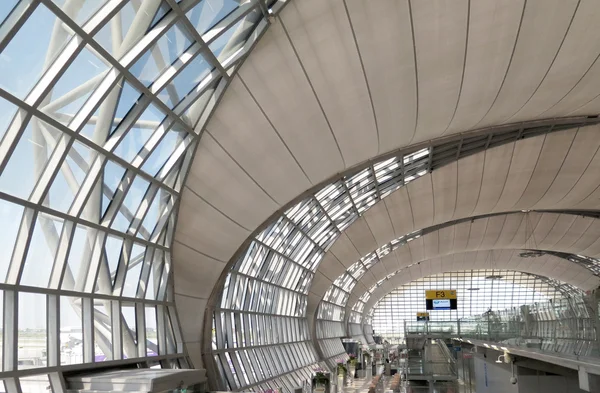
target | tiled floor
x=361, y=385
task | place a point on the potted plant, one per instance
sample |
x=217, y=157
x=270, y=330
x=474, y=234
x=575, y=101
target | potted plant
x=320, y=381
x=341, y=368
x=351, y=365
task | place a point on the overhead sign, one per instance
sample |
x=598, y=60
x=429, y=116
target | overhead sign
x=441, y=299
x=440, y=294
x=441, y=304
x=422, y=316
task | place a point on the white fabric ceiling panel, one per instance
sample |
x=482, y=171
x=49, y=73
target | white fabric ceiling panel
x=583, y=150
x=321, y=35
x=430, y=243
x=470, y=170
x=446, y=239
x=379, y=270
x=524, y=159
x=417, y=249
x=390, y=262
x=509, y=229
x=277, y=82
x=577, y=231
x=462, y=233
x=361, y=236
x=368, y=280
x=207, y=230
x=229, y=189
x=477, y=233
x=189, y=262
x=497, y=165
x=398, y=205
x=591, y=107
x=582, y=99
x=582, y=43
x=403, y=256
x=242, y=129
x=421, y=199
x=585, y=187
x=345, y=251
x=543, y=227
x=444, y=189
x=332, y=268
x=320, y=284
x=493, y=29
x=379, y=222
x=554, y=151
x=542, y=30
x=591, y=235
x=387, y=44
x=445, y=38
x=193, y=319
x=560, y=228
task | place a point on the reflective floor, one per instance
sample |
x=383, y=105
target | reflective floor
x=361, y=385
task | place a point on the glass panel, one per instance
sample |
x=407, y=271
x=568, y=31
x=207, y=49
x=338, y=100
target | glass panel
x=7, y=113
x=71, y=330
x=135, y=139
x=113, y=174
x=151, y=331
x=71, y=175
x=163, y=151
x=208, y=13
x=84, y=10
x=29, y=159
x=102, y=331
x=32, y=330
x=187, y=79
x=35, y=384
x=79, y=259
x=21, y=69
x=42, y=249
x=134, y=270
x=10, y=217
x=165, y=52
x=131, y=204
x=75, y=86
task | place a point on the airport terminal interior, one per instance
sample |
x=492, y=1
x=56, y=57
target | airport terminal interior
x=300, y=196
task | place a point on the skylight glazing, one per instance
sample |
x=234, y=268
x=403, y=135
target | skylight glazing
x=102, y=103
x=475, y=291
x=274, y=273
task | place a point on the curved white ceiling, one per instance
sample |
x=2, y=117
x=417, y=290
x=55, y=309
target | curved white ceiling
x=555, y=171
x=333, y=84
x=506, y=233
x=566, y=271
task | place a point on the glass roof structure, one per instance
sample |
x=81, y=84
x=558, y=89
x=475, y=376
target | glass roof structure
x=103, y=104
x=476, y=293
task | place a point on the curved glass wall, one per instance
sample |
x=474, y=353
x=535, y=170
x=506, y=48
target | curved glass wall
x=102, y=103
x=478, y=291
x=275, y=270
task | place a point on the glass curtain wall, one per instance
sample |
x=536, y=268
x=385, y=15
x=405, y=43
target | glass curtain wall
x=102, y=103
x=477, y=291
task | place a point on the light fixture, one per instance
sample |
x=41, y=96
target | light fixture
x=494, y=277
x=472, y=289
x=531, y=254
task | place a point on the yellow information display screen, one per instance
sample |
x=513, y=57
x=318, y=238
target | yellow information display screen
x=422, y=316
x=440, y=294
